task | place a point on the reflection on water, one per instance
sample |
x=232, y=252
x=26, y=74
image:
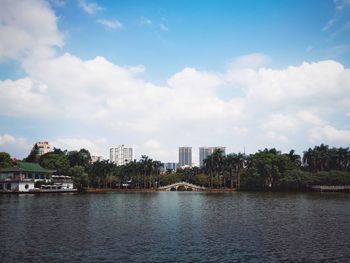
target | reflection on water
x=175, y=227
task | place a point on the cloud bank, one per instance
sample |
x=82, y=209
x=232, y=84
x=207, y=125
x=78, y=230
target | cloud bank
x=246, y=106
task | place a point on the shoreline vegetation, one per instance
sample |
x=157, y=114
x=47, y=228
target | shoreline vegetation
x=134, y=190
x=265, y=170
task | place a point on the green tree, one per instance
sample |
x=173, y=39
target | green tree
x=79, y=176
x=98, y=173
x=214, y=165
x=5, y=160
x=33, y=156
x=81, y=157
x=55, y=161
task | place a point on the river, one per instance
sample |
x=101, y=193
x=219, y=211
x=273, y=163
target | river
x=175, y=227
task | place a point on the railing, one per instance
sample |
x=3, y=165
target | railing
x=180, y=184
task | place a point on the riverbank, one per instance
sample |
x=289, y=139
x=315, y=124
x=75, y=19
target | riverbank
x=343, y=189
x=107, y=190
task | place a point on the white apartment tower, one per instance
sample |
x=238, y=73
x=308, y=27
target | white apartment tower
x=204, y=152
x=185, y=156
x=121, y=155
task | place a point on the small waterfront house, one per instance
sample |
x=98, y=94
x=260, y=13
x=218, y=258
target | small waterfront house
x=22, y=177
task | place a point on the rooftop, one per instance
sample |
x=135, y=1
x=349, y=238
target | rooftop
x=27, y=167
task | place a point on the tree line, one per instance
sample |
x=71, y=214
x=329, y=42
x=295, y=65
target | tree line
x=270, y=169
x=267, y=169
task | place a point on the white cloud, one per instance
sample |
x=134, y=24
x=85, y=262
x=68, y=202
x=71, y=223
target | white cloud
x=254, y=60
x=90, y=8
x=330, y=135
x=16, y=146
x=113, y=24
x=282, y=106
x=268, y=107
x=136, y=69
x=157, y=151
x=26, y=97
x=70, y=144
x=280, y=122
x=28, y=28
x=7, y=139
x=307, y=84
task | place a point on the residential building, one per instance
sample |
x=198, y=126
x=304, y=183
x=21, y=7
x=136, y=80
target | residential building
x=96, y=158
x=204, y=152
x=43, y=147
x=170, y=167
x=121, y=154
x=185, y=156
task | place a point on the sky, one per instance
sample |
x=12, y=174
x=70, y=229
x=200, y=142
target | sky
x=157, y=75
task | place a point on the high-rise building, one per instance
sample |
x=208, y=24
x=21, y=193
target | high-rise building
x=170, y=167
x=185, y=156
x=204, y=152
x=43, y=147
x=96, y=158
x=121, y=155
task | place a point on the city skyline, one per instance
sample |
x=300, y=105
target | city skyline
x=159, y=74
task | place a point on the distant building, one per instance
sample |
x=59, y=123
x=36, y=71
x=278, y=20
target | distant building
x=44, y=147
x=204, y=152
x=185, y=156
x=121, y=155
x=22, y=177
x=96, y=158
x=170, y=167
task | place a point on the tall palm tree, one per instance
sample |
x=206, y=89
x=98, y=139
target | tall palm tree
x=208, y=166
x=230, y=164
x=144, y=165
x=240, y=160
x=156, y=168
x=294, y=158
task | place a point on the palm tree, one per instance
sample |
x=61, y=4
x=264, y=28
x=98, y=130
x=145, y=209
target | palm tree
x=230, y=164
x=309, y=160
x=156, y=168
x=144, y=163
x=240, y=159
x=294, y=158
x=208, y=166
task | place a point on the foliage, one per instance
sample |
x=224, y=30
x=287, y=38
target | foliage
x=323, y=158
x=55, y=161
x=33, y=156
x=268, y=169
x=5, y=160
x=81, y=157
x=79, y=176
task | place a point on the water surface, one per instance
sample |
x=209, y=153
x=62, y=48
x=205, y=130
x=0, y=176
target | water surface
x=175, y=227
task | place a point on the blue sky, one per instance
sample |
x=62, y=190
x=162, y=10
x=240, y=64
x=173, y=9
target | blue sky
x=205, y=34
x=161, y=74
